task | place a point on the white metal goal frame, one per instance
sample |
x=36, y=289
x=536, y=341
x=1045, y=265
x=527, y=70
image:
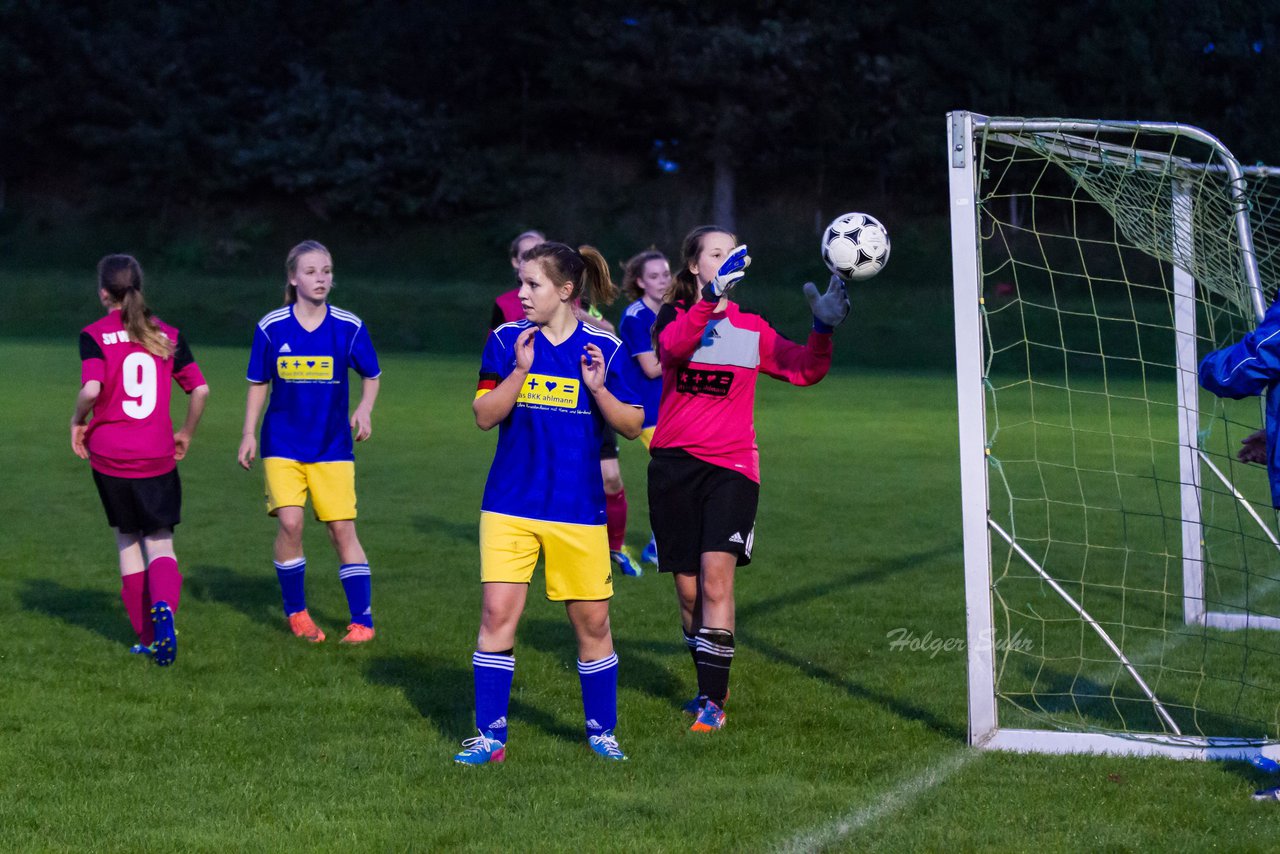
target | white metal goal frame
x=985, y=732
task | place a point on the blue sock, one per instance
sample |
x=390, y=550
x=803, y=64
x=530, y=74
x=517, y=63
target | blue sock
x=358, y=585
x=293, y=588
x=493, y=673
x=600, y=693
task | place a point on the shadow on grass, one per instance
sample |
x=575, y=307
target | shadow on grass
x=465, y=532
x=257, y=596
x=640, y=663
x=443, y=693
x=814, y=670
x=96, y=610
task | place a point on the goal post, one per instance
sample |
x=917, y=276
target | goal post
x=1122, y=568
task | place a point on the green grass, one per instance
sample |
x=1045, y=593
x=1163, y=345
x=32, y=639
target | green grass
x=255, y=740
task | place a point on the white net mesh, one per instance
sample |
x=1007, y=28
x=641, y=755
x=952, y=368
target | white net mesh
x=1079, y=235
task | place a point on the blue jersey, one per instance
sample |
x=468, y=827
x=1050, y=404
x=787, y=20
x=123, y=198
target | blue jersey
x=636, y=332
x=1247, y=368
x=307, y=418
x=547, y=464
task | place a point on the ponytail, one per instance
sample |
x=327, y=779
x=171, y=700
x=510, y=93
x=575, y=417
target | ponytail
x=584, y=267
x=121, y=277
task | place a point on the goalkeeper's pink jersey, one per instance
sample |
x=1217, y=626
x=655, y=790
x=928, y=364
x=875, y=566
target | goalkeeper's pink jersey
x=710, y=362
x=131, y=433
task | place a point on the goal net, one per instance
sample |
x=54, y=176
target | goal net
x=1122, y=566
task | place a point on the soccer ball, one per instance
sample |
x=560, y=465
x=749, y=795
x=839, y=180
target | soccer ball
x=855, y=246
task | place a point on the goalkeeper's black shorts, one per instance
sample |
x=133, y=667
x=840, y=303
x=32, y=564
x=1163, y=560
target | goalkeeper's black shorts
x=697, y=507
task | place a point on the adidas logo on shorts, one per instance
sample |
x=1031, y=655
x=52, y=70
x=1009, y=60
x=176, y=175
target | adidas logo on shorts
x=736, y=538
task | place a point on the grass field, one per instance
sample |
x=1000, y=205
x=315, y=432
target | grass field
x=254, y=740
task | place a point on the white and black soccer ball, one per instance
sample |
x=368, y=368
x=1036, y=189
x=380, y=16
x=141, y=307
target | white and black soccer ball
x=855, y=246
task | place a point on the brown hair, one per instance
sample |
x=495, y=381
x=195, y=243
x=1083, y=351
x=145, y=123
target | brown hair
x=684, y=284
x=121, y=277
x=634, y=269
x=291, y=266
x=585, y=267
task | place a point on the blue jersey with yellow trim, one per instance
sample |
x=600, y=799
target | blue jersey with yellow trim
x=636, y=331
x=307, y=418
x=547, y=464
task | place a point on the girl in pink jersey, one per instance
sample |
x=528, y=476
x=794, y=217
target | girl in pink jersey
x=128, y=359
x=704, y=474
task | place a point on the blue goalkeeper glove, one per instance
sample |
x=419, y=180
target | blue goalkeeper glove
x=733, y=269
x=829, y=309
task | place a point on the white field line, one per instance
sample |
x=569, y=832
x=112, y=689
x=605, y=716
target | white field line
x=896, y=799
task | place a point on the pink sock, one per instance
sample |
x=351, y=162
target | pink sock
x=165, y=582
x=615, y=514
x=133, y=591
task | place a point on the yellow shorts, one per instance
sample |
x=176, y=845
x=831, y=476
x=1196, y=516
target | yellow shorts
x=646, y=436
x=577, y=556
x=332, y=487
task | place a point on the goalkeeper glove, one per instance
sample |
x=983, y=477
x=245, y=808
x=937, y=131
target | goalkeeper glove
x=733, y=269
x=829, y=309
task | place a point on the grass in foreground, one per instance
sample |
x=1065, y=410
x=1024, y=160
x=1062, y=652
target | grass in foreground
x=254, y=739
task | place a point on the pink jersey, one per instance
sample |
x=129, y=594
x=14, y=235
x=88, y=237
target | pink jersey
x=509, y=304
x=131, y=434
x=710, y=362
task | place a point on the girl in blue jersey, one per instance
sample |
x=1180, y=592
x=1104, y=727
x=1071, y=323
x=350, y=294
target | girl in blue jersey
x=646, y=277
x=551, y=384
x=302, y=353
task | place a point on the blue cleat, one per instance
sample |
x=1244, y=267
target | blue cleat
x=626, y=563
x=606, y=744
x=650, y=553
x=481, y=750
x=143, y=649
x=694, y=706
x=710, y=718
x=166, y=645
x=1267, y=794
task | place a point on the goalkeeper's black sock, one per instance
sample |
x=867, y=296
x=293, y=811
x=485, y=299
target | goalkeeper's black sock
x=691, y=641
x=713, y=655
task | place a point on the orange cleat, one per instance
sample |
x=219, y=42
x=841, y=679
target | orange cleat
x=358, y=633
x=301, y=624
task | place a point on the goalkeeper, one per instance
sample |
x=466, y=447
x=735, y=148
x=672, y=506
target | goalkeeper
x=704, y=474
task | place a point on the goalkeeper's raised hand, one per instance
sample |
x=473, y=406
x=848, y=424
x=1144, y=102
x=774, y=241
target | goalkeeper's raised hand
x=829, y=309
x=730, y=272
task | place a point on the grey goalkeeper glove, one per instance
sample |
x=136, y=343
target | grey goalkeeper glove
x=730, y=272
x=829, y=309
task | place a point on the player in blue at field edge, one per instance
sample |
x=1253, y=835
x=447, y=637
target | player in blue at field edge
x=303, y=352
x=646, y=277
x=551, y=384
x=1248, y=368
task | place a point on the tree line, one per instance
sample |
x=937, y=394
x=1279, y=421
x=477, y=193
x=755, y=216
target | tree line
x=388, y=110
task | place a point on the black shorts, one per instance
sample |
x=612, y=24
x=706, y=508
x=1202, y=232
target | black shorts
x=697, y=507
x=141, y=505
x=609, y=446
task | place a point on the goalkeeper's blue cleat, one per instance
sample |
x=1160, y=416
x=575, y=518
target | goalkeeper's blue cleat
x=710, y=718
x=626, y=563
x=650, y=553
x=1272, y=794
x=606, y=744
x=143, y=649
x=481, y=750
x=166, y=645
